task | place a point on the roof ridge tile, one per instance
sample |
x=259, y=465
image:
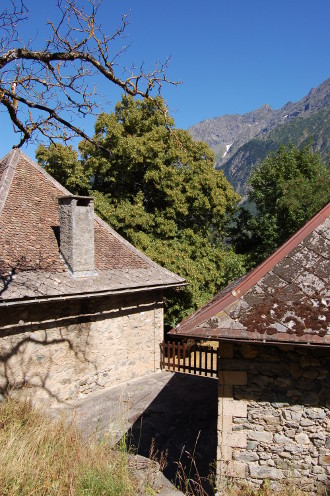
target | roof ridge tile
x=11, y=160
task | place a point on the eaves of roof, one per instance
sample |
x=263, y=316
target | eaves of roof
x=243, y=336
x=92, y=294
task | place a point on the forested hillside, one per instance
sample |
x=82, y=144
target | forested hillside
x=314, y=130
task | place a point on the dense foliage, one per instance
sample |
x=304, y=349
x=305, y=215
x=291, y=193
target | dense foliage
x=287, y=188
x=158, y=188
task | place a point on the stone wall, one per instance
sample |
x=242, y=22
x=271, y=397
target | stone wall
x=68, y=349
x=274, y=416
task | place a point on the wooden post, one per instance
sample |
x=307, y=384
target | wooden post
x=195, y=356
x=190, y=368
x=184, y=357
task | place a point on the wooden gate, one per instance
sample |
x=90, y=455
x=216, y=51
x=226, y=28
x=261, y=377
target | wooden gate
x=193, y=358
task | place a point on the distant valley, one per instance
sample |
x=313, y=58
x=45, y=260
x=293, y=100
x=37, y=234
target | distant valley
x=241, y=141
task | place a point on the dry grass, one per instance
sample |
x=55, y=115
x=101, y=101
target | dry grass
x=187, y=478
x=41, y=456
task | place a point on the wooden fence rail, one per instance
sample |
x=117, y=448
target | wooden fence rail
x=192, y=359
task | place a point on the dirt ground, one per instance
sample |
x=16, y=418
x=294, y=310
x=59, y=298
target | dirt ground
x=176, y=413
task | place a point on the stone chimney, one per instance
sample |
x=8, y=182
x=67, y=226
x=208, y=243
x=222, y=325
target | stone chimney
x=77, y=234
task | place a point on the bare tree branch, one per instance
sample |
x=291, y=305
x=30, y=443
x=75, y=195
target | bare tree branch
x=12, y=15
x=46, y=90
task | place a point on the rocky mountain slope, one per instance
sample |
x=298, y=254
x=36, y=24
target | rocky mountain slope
x=241, y=141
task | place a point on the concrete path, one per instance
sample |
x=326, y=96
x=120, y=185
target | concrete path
x=176, y=413
x=113, y=411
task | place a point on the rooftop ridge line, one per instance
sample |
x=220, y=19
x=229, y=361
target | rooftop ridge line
x=8, y=174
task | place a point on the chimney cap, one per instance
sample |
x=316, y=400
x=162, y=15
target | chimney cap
x=61, y=199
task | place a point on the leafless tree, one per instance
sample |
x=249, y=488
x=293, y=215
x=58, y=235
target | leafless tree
x=46, y=90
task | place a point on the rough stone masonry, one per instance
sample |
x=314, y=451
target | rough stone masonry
x=274, y=416
x=80, y=346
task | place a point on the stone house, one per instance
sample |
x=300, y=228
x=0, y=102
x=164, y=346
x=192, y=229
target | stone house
x=273, y=330
x=80, y=308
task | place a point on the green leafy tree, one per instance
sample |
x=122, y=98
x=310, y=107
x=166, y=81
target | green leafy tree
x=287, y=188
x=158, y=188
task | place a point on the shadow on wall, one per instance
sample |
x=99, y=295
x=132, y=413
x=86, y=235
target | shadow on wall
x=67, y=347
x=282, y=374
x=182, y=420
x=37, y=341
x=44, y=360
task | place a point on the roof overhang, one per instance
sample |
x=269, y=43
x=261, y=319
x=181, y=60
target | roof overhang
x=240, y=335
x=95, y=294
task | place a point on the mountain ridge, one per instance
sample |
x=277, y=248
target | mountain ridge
x=242, y=140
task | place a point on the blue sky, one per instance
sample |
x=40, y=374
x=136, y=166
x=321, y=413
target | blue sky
x=232, y=55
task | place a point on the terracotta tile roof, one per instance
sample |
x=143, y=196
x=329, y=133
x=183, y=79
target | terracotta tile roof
x=285, y=299
x=30, y=264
